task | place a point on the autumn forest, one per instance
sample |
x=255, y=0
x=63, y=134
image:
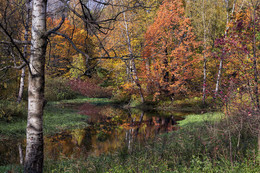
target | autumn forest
x=129, y=86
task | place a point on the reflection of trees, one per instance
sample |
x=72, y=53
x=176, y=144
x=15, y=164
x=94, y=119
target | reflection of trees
x=146, y=127
x=119, y=127
x=9, y=153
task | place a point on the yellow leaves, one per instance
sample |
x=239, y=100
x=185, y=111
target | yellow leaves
x=63, y=53
x=82, y=31
x=78, y=135
x=128, y=86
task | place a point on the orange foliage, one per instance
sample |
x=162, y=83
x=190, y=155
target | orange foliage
x=170, y=53
x=61, y=50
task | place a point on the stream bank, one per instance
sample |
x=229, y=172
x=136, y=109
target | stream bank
x=199, y=143
x=88, y=126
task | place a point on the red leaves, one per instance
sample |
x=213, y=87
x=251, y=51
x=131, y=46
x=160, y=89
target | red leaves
x=89, y=88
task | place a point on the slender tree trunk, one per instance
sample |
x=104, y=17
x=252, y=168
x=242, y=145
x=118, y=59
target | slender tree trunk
x=127, y=71
x=25, y=53
x=204, y=79
x=34, y=147
x=136, y=80
x=225, y=34
x=219, y=77
x=21, y=87
x=204, y=56
x=20, y=153
x=133, y=71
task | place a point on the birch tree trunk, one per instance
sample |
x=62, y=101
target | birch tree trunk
x=204, y=56
x=204, y=79
x=222, y=58
x=219, y=76
x=25, y=53
x=34, y=147
x=133, y=71
x=21, y=87
x=136, y=80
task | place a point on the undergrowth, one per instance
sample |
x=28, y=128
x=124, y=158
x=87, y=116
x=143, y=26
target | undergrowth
x=204, y=143
x=56, y=119
x=211, y=142
x=58, y=89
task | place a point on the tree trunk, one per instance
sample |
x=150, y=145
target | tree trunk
x=20, y=153
x=34, y=147
x=133, y=71
x=204, y=79
x=219, y=77
x=21, y=87
x=225, y=34
x=136, y=80
x=25, y=54
x=204, y=56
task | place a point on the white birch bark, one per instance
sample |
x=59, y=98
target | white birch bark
x=25, y=53
x=204, y=56
x=133, y=71
x=34, y=147
x=222, y=58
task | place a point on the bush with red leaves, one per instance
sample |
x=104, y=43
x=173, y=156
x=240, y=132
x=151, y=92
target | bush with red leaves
x=90, y=88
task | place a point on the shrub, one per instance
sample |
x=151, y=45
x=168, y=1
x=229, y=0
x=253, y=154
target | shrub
x=90, y=88
x=58, y=89
x=121, y=96
x=9, y=110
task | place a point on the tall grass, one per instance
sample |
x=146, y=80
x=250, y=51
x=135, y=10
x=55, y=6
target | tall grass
x=212, y=144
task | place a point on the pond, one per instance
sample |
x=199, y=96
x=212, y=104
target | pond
x=110, y=128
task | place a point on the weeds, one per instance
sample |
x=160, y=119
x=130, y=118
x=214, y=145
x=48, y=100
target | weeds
x=58, y=89
x=204, y=143
x=10, y=110
x=211, y=142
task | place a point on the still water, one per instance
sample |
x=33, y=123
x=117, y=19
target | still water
x=110, y=128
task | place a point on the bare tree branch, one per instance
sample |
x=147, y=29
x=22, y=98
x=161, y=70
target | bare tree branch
x=16, y=41
x=14, y=44
x=57, y=27
x=13, y=67
x=73, y=45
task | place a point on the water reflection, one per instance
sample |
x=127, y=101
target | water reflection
x=110, y=128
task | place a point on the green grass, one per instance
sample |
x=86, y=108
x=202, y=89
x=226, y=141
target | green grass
x=200, y=119
x=202, y=144
x=193, y=104
x=11, y=169
x=81, y=99
x=56, y=119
